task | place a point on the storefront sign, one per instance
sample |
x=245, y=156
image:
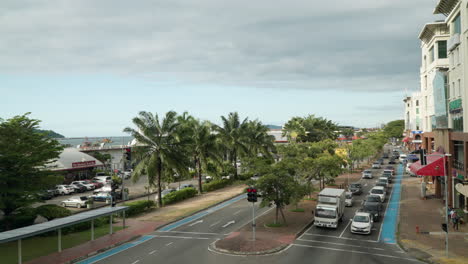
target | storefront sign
x=455, y=105
x=83, y=164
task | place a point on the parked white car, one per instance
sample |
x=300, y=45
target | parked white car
x=64, y=189
x=367, y=174
x=87, y=185
x=380, y=191
x=105, y=188
x=349, y=199
x=402, y=157
x=376, y=165
x=103, y=179
x=75, y=201
x=362, y=223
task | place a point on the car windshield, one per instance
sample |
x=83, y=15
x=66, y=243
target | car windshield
x=325, y=213
x=371, y=206
x=377, y=191
x=367, y=171
x=83, y=198
x=373, y=198
x=383, y=181
x=361, y=219
x=349, y=196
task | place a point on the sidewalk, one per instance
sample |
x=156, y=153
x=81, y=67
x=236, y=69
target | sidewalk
x=428, y=216
x=141, y=225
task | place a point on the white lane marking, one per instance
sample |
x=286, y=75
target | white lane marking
x=170, y=243
x=196, y=222
x=342, y=233
x=152, y=252
x=347, y=238
x=340, y=244
x=359, y=252
x=182, y=232
x=136, y=262
x=215, y=223
x=229, y=223
x=237, y=212
x=182, y=237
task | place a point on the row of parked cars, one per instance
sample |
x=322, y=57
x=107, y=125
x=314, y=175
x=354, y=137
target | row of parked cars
x=372, y=206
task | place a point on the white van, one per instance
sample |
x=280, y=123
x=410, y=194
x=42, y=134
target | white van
x=103, y=179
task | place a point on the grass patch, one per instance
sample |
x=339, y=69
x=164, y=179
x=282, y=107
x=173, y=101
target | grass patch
x=297, y=210
x=274, y=225
x=37, y=246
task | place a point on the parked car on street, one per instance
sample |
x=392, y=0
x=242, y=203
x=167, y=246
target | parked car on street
x=385, y=156
x=392, y=160
x=380, y=191
x=75, y=201
x=85, y=184
x=372, y=199
x=101, y=196
x=79, y=188
x=186, y=185
x=380, y=161
x=367, y=174
x=362, y=223
x=105, y=188
x=103, y=179
x=402, y=157
x=376, y=165
x=355, y=188
x=349, y=199
x=64, y=189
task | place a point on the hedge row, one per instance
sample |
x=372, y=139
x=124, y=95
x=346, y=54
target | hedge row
x=216, y=184
x=138, y=207
x=180, y=195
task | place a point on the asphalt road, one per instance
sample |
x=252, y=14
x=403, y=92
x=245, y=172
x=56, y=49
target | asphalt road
x=187, y=241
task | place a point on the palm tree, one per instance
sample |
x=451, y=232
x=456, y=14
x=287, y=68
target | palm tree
x=233, y=137
x=204, y=148
x=259, y=142
x=160, y=148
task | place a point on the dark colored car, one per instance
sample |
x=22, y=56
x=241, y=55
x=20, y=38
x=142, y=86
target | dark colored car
x=373, y=208
x=372, y=199
x=45, y=195
x=381, y=161
x=355, y=188
x=79, y=188
x=392, y=160
x=385, y=156
x=396, y=154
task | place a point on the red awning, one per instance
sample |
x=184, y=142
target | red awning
x=434, y=167
x=406, y=139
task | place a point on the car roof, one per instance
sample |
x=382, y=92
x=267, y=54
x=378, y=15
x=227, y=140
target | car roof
x=378, y=187
x=362, y=213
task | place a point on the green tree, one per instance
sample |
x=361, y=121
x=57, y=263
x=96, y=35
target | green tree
x=24, y=155
x=310, y=129
x=258, y=141
x=105, y=158
x=394, y=129
x=232, y=136
x=160, y=148
x=278, y=187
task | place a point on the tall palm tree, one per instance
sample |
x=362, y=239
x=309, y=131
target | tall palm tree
x=204, y=148
x=259, y=142
x=160, y=148
x=233, y=137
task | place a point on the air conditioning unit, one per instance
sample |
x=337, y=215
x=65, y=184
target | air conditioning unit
x=453, y=42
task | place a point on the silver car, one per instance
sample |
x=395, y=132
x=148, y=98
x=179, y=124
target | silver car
x=75, y=201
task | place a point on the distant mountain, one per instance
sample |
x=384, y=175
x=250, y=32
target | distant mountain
x=50, y=133
x=274, y=127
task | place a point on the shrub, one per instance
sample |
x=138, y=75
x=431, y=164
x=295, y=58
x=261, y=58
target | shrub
x=52, y=211
x=138, y=207
x=246, y=176
x=216, y=184
x=23, y=217
x=180, y=195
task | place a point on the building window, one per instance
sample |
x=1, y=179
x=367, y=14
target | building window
x=417, y=111
x=442, y=49
x=425, y=103
x=459, y=87
x=425, y=82
x=457, y=25
x=417, y=102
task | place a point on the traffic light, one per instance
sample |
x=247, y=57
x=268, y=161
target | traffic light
x=444, y=227
x=251, y=195
x=128, y=152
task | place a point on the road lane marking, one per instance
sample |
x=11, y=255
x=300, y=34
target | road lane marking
x=152, y=252
x=229, y=223
x=237, y=212
x=182, y=237
x=170, y=243
x=354, y=251
x=183, y=232
x=135, y=262
x=215, y=223
x=340, y=244
x=347, y=238
x=196, y=223
x=342, y=233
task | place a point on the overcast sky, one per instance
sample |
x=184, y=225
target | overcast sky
x=85, y=68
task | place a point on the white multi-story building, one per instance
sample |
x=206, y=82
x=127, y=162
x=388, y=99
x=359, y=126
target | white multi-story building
x=413, y=112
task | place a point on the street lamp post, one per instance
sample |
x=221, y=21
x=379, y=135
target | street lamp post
x=446, y=199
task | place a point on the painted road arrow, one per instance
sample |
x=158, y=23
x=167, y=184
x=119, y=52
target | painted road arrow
x=229, y=223
x=197, y=222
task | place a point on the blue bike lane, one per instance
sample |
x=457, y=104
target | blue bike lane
x=390, y=223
